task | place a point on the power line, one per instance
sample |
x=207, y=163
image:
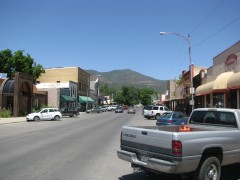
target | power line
x=214, y=34
x=204, y=19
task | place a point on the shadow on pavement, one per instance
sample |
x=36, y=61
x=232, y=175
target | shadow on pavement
x=231, y=172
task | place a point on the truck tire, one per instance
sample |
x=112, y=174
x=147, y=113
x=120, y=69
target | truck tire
x=209, y=169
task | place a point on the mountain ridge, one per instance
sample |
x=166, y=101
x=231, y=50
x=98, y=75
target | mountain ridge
x=127, y=77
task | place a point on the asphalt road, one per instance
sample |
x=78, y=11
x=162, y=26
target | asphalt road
x=82, y=148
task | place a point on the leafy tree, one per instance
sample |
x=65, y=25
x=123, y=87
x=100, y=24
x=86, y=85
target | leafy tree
x=18, y=62
x=145, y=96
x=106, y=90
x=130, y=95
x=119, y=98
x=179, y=81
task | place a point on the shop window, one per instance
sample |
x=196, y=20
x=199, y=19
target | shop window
x=218, y=100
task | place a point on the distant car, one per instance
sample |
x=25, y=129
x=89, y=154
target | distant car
x=96, y=110
x=109, y=108
x=125, y=107
x=169, y=118
x=182, y=121
x=131, y=110
x=114, y=107
x=119, y=109
x=45, y=114
x=104, y=108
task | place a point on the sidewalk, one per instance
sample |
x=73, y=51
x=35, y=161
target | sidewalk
x=12, y=120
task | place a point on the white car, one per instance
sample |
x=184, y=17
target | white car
x=45, y=114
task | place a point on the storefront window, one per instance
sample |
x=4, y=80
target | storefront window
x=218, y=100
x=208, y=99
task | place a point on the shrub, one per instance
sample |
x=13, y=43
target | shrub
x=4, y=113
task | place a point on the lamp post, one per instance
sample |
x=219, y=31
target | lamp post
x=190, y=59
x=87, y=93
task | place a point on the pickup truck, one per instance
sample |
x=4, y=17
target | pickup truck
x=211, y=139
x=68, y=111
x=155, y=112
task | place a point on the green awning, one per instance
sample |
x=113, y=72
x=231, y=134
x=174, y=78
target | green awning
x=65, y=98
x=84, y=99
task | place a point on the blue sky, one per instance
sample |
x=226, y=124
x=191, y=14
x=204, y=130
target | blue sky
x=107, y=35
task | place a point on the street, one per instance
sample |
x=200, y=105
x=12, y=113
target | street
x=74, y=149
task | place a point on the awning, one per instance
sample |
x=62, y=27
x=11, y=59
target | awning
x=84, y=99
x=234, y=81
x=219, y=85
x=204, y=89
x=65, y=98
x=221, y=82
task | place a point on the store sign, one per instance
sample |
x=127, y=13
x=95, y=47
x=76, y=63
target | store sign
x=231, y=62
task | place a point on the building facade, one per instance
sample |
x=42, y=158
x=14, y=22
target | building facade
x=16, y=94
x=220, y=85
x=67, y=87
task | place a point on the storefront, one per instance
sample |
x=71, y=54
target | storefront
x=16, y=94
x=222, y=84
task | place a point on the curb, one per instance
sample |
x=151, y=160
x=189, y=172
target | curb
x=12, y=120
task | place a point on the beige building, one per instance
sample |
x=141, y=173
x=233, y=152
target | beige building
x=67, y=87
x=220, y=85
x=178, y=95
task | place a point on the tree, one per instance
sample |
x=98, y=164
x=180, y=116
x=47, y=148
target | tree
x=106, y=90
x=145, y=96
x=130, y=95
x=18, y=62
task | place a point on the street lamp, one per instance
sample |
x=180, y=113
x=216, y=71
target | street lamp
x=190, y=59
x=87, y=92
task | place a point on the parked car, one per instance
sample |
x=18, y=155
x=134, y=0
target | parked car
x=131, y=110
x=169, y=118
x=88, y=111
x=125, y=107
x=109, y=108
x=104, y=108
x=119, y=109
x=45, y=114
x=182, y=121
x=96, y=110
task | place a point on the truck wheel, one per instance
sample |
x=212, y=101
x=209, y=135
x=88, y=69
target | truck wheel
x=209, y=169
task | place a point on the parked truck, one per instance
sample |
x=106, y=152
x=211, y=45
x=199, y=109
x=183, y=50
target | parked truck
x=211, y=139
x=155, y=112
x=69, y=111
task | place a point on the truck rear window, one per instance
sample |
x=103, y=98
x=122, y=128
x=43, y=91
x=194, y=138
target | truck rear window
x=213, y=118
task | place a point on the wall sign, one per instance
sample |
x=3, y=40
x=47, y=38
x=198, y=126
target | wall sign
x=231, y=62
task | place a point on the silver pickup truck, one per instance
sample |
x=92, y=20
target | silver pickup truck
x=197, y=150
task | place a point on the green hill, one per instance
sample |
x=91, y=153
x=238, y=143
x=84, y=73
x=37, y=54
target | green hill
x=127, y=77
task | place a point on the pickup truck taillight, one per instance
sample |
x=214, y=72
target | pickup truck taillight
x=176, y=148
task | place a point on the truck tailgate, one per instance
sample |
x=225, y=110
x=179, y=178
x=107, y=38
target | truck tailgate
x=147, y=140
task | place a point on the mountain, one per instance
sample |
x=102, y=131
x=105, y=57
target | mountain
x=127, y=77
